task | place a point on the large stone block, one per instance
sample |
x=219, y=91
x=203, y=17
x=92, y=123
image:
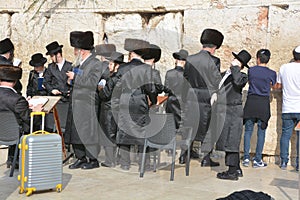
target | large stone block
x=244, y=30
x=283, y=35
x=32, y=34
x=5, y=26
x=162, y=30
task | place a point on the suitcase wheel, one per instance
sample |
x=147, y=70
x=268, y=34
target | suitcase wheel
x=59, y=188
x=21, y=191
x=29, y=192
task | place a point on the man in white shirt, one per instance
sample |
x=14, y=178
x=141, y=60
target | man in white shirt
x=289, y=81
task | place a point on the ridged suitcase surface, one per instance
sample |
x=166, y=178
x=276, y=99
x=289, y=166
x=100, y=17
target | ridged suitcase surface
x=40, y=162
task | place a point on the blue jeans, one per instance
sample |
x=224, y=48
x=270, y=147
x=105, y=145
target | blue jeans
x=289, y=120
x=249, y=124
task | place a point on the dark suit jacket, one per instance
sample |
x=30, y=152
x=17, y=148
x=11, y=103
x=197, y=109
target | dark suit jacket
x=32, y=86
x=18, y=86
x=55, y=79
x=12, y=101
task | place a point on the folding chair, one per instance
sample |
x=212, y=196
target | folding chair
x=164, y=139
x=10, y=134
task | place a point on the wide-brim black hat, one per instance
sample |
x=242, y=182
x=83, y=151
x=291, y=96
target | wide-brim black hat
x=137, y=46
x=53, y=48
x=117, y=57
x=6, y=45
x=37, y=60
x=105, y=49
x=86, y=41
x=243, y=56
x=181, y=55
x=75, y=37
x=153, y=52
x=212, y=36
x=10, y=73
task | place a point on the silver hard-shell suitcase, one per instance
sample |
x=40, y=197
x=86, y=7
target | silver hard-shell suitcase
x=40, y=160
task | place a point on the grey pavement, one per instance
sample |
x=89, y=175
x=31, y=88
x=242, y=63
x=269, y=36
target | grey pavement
x=113, y=183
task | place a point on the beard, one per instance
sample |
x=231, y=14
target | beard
x=77, y=60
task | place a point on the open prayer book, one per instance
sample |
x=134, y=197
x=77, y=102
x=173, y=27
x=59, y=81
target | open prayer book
x=37, y=101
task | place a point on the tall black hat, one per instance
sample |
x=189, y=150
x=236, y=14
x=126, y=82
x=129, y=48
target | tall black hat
x=37, y=60
x=53, y=48
x=74, y=38
x=181, y=55
x=117, y=57
x=153, y=51
x=212, y=36
x=137, y=46
x=243, y=56
x=86, y=41
x=10, y=73
x=105, y=49
x=6, y=45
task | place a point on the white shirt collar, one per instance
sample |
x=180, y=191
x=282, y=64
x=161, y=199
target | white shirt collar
x=61, y=64
x=3, y=86
x=85, y=59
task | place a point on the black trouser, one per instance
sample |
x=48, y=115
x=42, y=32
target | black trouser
x=110, y=155
x=90, y=151
x=232, y=159
x=125, y=155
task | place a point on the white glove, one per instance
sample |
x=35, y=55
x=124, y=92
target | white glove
x=213, y=98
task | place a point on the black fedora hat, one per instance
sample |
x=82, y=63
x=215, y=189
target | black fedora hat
x=53, y=48
x=10, y=73
x=212, y=36
x=6, y=45
x=37, y=60
x=243, y=56
x=117, y=57
x=105, y=49
x=137, y=46
x=181, y=55
x=153, y=52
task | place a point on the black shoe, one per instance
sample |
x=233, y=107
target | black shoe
x=78, y=164
x=239, y=173
x=104, y=164
x=227, y=176
x=182, y=159
x=125, y=167
x=209, y=163
x=91, y=165
x=194, y=154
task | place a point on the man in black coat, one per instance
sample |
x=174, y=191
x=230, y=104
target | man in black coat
x=55, y=79
x=35, y=86
x=230, y=114
x=7, y=56
x=131, y=95
x=203, y=77
x=82, y=129
x=108, y=120
x=10, y=100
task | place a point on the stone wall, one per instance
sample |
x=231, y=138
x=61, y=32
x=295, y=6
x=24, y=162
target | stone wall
x=171, y=24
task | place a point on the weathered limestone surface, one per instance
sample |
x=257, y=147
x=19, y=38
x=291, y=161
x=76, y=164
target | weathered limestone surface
x=171, y=24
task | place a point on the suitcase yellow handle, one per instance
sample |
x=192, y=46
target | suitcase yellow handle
x=40, y=132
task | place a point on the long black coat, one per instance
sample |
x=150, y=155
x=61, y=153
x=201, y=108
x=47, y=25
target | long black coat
x=56, y=79
x=131, y=93
x=203, y=77
x=32, y=86
x=230, y=111
x=12, y=101
x=18, y=86
x=174, y=80
x=82, y=122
